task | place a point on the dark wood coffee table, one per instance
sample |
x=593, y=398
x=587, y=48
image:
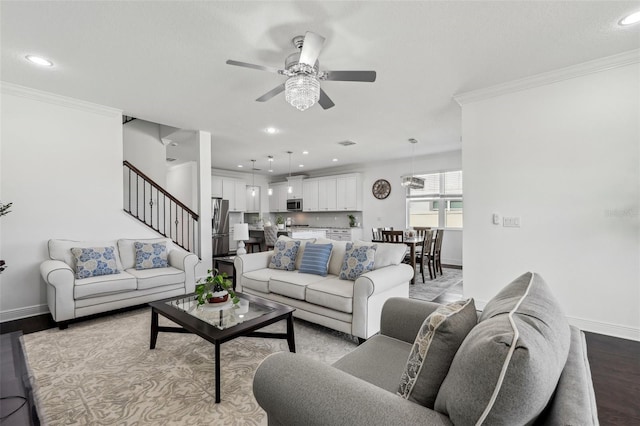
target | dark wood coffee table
x=221, y=324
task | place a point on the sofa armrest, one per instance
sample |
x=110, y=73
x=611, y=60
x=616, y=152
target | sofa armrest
x=60, y=281
x=185, y=261
x=371, y=290
x=402, y=318
x=294, y=389
x=250, y=262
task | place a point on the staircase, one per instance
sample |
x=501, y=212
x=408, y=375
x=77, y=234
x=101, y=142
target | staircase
x=152, y=205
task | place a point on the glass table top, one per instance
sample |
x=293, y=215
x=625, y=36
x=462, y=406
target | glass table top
x=221, y=315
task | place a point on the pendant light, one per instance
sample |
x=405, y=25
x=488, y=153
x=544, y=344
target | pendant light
x=270, y=159
x=253, y=178
x=290, y=188
x=412, y=182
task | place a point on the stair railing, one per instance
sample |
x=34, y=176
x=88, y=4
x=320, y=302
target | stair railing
x=152, y=205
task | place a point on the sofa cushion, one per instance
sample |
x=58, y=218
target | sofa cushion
x=303, y=244
x=258, y=280
x=357, y=261
x=332, y=293
x=437, y=342
x=387, y=253
x=507, y=368
x=105, y=284
x=61, y=250
x=157, y=277
x=284, y=255
x=292, y=284
x=337, y=257
x=151, y=255
x=128, y=251
x=315, y=259
x=380, y=361
x=94, y=261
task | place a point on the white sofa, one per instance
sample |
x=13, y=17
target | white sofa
x=352, y=307
x=69, y=297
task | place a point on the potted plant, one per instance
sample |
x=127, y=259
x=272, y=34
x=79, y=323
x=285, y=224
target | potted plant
x=352, y=220
x=216, y=288
x=280, y=222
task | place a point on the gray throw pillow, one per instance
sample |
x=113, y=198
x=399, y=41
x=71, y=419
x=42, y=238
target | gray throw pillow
x=436, y=344
x=507, y=368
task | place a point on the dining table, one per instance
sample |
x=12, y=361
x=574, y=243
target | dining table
x=411, y=242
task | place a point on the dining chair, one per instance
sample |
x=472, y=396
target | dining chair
x=392, y=236
x=437, y=249
x=376, y=234
x=420, y=232
x=425, y=256
x=270, y=236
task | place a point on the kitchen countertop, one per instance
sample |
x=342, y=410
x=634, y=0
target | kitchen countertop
x=302, y=227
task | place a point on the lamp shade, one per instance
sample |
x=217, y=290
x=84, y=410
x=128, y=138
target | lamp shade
x=241, y=231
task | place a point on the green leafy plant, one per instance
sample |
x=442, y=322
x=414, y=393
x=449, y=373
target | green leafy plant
x=279, y=220
x=352, y=220
x=214, y=282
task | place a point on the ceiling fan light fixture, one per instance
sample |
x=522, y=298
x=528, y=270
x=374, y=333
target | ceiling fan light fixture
x=302, y=91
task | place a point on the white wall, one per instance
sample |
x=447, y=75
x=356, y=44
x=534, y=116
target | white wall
x=62, y=169
x=182, y=183
x=144, y=149
x=564, y=158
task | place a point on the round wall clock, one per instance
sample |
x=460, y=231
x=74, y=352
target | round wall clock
x=381, y=189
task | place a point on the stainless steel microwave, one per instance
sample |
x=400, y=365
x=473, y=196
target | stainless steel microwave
x=294, y=205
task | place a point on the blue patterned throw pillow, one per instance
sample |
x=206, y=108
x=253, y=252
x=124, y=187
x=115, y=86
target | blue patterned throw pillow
x=94, y=261
x=357, y=261
x=284, y=255
x=315, y=259
x=151, y=255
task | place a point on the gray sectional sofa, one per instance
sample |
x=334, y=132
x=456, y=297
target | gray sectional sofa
x=349, y=306
x=70, y=297
x=522, y=363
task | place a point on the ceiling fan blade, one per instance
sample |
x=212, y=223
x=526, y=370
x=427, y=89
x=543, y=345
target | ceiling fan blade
x=311, y=47
x=254, y=66
x=271, y=93
x=368, y=76
x=324, y=101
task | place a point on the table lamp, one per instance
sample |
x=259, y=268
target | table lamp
x=241, y=233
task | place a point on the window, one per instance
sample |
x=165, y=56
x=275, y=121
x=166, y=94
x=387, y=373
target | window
x=439, y=203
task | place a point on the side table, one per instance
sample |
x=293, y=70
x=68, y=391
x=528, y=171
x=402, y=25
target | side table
x=225, y=264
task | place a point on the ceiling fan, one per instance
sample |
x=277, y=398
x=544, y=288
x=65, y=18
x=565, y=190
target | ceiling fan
x=302, y=88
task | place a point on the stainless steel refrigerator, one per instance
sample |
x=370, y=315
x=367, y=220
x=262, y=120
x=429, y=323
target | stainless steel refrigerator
x=220, y=225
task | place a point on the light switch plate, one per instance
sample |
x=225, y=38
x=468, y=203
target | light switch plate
x=511, y=222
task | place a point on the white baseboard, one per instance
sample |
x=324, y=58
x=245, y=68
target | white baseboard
x=19, y=313
x=598, y=327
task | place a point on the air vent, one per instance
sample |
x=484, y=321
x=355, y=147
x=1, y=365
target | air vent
x=169, y=159
x=346, y=143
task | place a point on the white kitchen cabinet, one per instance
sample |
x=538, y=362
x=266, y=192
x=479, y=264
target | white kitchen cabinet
x=240, y=196
x=327, y=194
x=295, y=182
x=344, y=234
x=347, y=193
x=216, y=186
x=234, y=190
x=310, y=195
x=283, y=196
x=278, y=197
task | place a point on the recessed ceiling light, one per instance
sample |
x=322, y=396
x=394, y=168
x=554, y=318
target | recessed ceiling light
x=305, y=152
x=271, y=130
x=240, y=166
x=630, y=19
x=334, y=160
x=39, y=61
x=301, y=165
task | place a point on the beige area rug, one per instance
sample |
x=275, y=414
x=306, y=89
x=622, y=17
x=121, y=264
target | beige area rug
x=101, y=372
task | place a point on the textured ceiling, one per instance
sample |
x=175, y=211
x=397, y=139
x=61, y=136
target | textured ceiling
x=165, y=62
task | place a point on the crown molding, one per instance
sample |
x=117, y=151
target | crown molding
x=597, y=65
x=52, y=98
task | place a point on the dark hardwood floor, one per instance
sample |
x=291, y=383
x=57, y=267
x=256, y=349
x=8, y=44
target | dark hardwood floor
x=615, y=367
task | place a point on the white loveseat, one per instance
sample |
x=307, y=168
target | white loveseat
x=352, y=307
x=69, y=297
